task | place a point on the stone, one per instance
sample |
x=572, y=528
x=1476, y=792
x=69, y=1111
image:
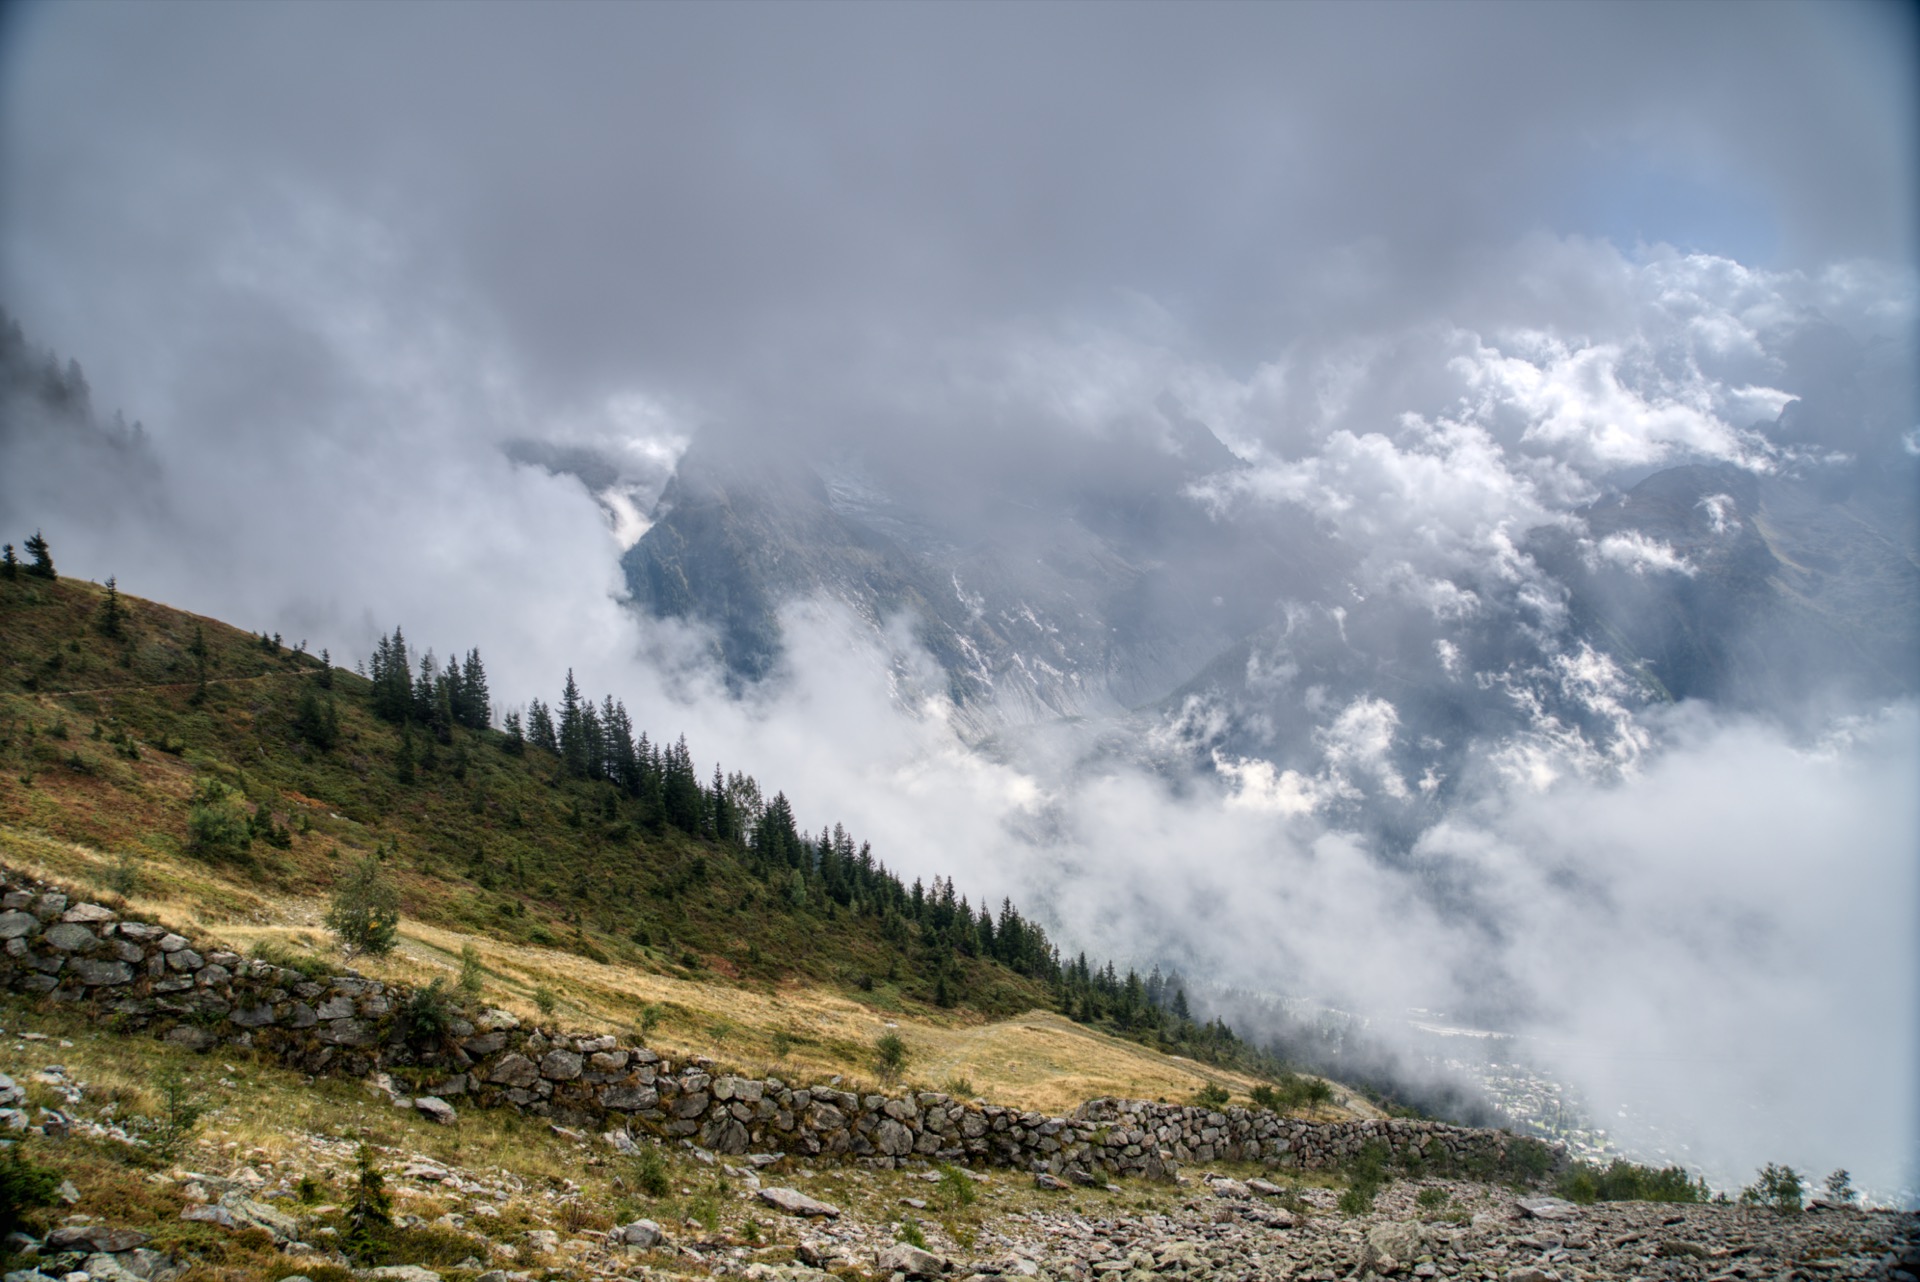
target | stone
x=15, y=925
x=397, y=1273
x=893, y=1139
x=348, y=1032
x=435, y=1109
x=283, y=1227
x=1388, y=1248
x=95, y=1237
x=87, y=914
x=904, y=1257
x=191, y=1037
x=69, y=938
x=338, y=1006
x=514, y=1070
x=794, y=1202
x=1547, y=1208
x=142, y=931
x=1049, y=1181
x=219, y=1215
x=254, y=1016
x=560, y=1066
x=101, y=974
x=640, y=1233
x=629, y=1097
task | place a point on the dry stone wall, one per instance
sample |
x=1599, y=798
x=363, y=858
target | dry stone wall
x=148, y=978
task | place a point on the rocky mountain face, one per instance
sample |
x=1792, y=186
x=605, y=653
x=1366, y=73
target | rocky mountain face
x=1117, y=593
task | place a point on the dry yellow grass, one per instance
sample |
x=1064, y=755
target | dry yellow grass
x=1038, y=1060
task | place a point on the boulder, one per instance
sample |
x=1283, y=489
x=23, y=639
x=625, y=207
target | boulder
x=514, y=1069
x=560, y=1066
x=435, y=1109
x=95, y=1237
x=1547, y=1208
x=1389, y=1248
x=640, y=1233
x=904, y=1257
x=794, y=1202
x=87, y=914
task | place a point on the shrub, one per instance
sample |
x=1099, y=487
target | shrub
x=955, y=1190
x=169, y=1131
x=1433, y=1197
x=1779, y=1189
x=650, y=1172
x=1623, y=1181
x=218, y=825
x=24, y=1187
x=959, y=1087
x=1212, y=1095
x=910, y=1233
x=471, y=973
x=890, y=1057
x=1839, y=1187
x=544, y=998
x=370, y=1211
x=365, y=914
x=428, y=1013
x=1366, y=1176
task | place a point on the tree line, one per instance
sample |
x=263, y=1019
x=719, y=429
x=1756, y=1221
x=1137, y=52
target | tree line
x=595, y=742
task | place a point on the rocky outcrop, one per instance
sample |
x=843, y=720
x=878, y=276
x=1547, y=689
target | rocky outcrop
x=145, y=977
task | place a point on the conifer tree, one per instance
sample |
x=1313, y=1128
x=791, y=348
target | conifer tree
x=41, y=562
x=197, y=648
x=540, y=727
x=9, y=563
x=326, y=669
x=475, y=701
x=113, y=615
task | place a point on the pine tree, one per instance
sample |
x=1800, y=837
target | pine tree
x=572, y=730
x=9, y=563
x=41, y=564
x=326, y=669
x=516, y=737
x=113, y=615
x=475, y=701
x=540, y=727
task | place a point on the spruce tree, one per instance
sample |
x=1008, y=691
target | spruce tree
x=197, y=648
x=113, y=615
x=9, y=563
x=475, y=701
x=41, y=564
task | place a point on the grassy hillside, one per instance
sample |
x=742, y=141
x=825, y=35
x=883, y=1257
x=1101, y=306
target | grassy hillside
x=118, y=717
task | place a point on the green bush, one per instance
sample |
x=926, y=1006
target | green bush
x=428, y=1014
x=24, y=1186
x=365, y=913
x=370, y=1211
x=910, y=1233
x=890, y=1057
x=169, y=1131
x=218, y=824
x=1212, y=1095
x=1778, y=1189
x=955, y=1190
x=1623, y=1181
x=650, y=1172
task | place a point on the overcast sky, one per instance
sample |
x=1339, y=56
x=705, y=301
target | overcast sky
x=337, y=256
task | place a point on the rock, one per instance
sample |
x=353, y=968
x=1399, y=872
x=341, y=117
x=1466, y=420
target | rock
x=543, y=1240
x=101, y=974
x=514, y=1070
x=191, y=1037
x=1264, y=1188
x=1532, y=1275
x=893, y=1139
x=1048, y=1180
x=13, y=925
x=794, y=1202
x=1223, y=1187
x=629, y=1098
x=397, y=1273
x=640, y=1233
x=1388, y=1248
x=560, y=1066
x=283, y=1227
x=1547, y=1208
x=1675, y=1249
x=904, y=1257
x=433, y=1108
x=201, y=1214
x=95, y=1237
x=621, y=1143
x=87, y=914
x=69, y=938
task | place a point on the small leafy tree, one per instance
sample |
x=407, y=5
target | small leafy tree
x=890, y=1057
x=1840, y=1190
x=40, y=563
x=472, y=974
x=544, y=998
x=218, y=824
x=1778, y=1189
x=365, y=913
